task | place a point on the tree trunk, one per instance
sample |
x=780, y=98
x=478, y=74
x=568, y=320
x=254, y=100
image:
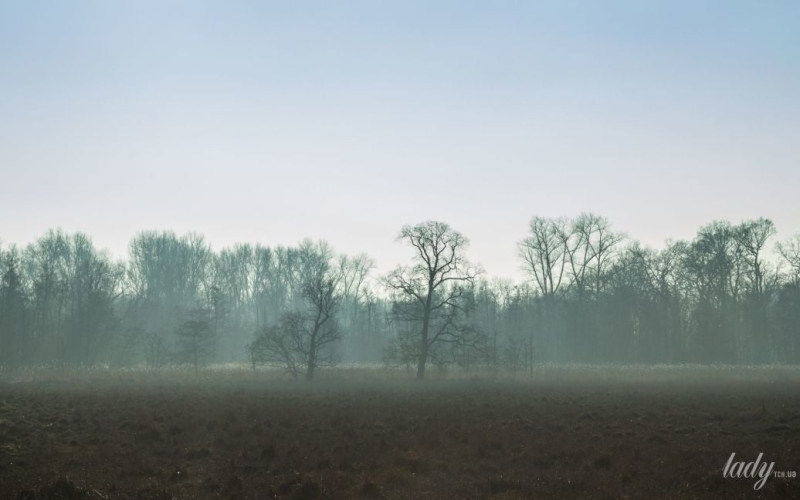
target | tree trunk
x=423, y=352
x=423, y=357
x=310, y=372
x=194, y=353
x=312, y=357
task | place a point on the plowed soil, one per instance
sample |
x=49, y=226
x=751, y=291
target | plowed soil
x=499, y=440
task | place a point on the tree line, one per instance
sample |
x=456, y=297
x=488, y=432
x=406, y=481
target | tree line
x=730, y=295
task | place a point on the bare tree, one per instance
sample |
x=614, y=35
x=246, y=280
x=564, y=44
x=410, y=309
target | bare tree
x=602, y=243
x=195, y=339
x=544, y=253
x=304, y=339
x=155, y=348
x=320, y=328
x=514, y=356
x=165, y=281
x=753, y=236
x=353, y=272
x=14, y=310
x=588, y=246
x=280, y=344
x=433, y=285
x=790, y=251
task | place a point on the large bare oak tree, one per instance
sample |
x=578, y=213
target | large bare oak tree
x=434, y=282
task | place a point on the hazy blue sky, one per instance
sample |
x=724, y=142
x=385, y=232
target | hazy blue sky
x=270, y=122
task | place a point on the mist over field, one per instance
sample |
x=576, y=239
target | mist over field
x=340, y=250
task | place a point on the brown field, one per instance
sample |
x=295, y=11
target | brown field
x=117, y=435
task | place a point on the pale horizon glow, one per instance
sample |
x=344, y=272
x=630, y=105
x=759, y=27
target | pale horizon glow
x=269, y=123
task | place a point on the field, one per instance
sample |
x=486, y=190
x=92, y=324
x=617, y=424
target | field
x=568, y=433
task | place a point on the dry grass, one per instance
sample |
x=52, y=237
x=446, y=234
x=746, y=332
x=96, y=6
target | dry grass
x=541, y=374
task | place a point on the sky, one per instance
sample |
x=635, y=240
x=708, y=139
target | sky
x=257, y=121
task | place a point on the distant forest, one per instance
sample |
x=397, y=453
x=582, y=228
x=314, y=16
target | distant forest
x=731, y=295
